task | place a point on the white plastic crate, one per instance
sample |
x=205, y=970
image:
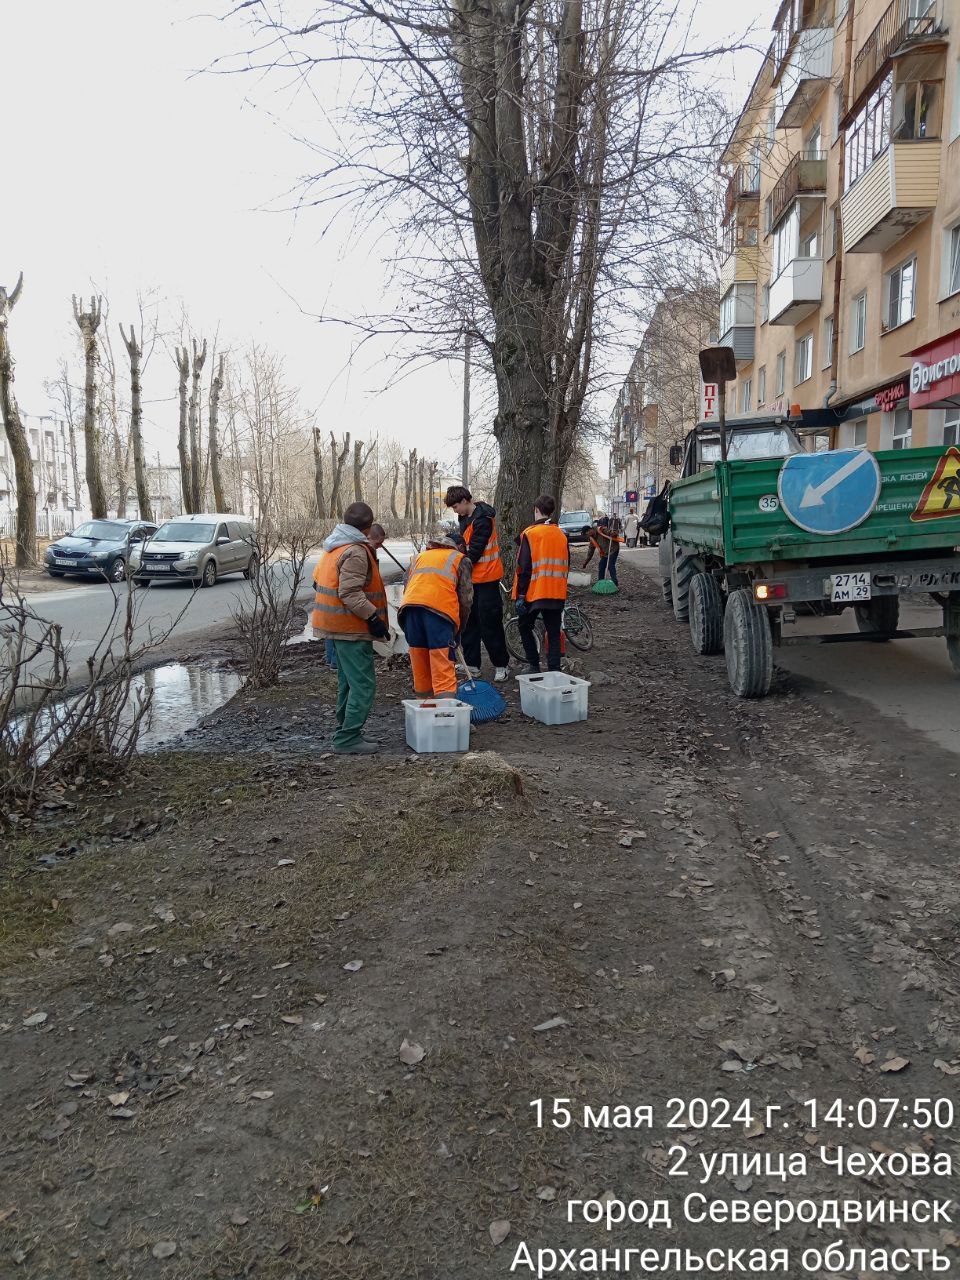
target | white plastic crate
x=437, y=724
x=577, y=578
x=553, y=697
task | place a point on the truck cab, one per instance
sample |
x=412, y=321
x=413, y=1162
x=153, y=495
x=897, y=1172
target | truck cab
x=746, y=438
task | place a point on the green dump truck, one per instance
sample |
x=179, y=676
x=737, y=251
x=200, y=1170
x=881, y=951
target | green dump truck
x=777, y=531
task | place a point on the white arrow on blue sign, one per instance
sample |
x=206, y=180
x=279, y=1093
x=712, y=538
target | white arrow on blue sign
x=829, y=492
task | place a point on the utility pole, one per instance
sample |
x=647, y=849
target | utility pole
x=465, y=454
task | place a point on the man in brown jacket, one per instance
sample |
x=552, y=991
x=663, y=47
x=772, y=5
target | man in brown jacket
x=351, y=610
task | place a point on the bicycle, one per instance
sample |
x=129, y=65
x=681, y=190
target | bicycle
x=574, y=622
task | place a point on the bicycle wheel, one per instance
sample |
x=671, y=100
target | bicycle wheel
x=511, y=631
x=577, y=626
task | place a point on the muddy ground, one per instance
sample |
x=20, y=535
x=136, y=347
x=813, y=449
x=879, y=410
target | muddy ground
x=270, y=1013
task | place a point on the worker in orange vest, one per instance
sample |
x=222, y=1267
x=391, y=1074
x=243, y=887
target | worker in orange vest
x=438, y=595
x=351, y=610
x=540, y=584
x=478, y=529
x=606, y=539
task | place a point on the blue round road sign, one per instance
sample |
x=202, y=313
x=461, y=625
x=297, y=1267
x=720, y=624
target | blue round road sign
x=829, y=492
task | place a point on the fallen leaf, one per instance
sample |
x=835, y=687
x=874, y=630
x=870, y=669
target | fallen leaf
x=239, y=1219
x=551, y=1024
x=946, y=1067
x=894, y=1064
x=864, y=1055
x=291, y=1019
x=241, y=1023
x=284, y=964
x=164, y=1041
x=164, y=1249
x=262, y=1095
x=353, y=966
x=121, y=1113
x=499, y=1230
x=411, y=1053
x=284, y=862
x=35, y=1020
x=121, y=927
x=754, y=1129
x=546, y=1193
x=118, y=1099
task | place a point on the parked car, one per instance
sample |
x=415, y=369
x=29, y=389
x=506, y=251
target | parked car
x=97, y=548
x=199, y=548
x=575, y=525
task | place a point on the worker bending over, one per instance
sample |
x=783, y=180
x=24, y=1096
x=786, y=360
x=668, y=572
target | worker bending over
x=478, y=529
x=436, y=600
x=540, y=584
x=351, y=610
x=606, y=539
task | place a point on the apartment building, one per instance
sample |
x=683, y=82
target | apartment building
x=840, y=281
x=660, y=398
x=57, y=476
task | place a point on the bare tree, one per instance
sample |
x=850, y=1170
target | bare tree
x=135, y=353
x=196, y=467
x=320, y=501
x=88, y=322
x=409, y=485
x=61, y=389
x=393, y=491
x=26, y=533
x=182, y=356
x=213, y=439
x=338, y=459
x=360, y=458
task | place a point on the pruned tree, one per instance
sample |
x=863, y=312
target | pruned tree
x=360, y=458
x=394, y=481
x=26, y=527
x=213, y=438
x=196, y=464
x=409, y=485
x=135, y=354
x=422, y=495
x=319, y=497
x=182, y=356
x=88, y=322
x=338, y=459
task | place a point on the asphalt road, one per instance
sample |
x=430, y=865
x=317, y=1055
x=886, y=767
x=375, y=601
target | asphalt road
x=909, y=681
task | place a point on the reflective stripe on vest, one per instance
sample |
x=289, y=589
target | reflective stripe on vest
x=550, y=562
x=329, y=611
x=432, y=583
x=489, y=568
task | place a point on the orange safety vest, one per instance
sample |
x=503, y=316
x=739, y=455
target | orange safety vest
x=432, y=583
x=489, y=568
x=608, y=537
x=329, y=611
x=550, y=557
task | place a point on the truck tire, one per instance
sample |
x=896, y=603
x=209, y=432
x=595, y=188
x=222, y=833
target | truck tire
x=682, y=571
x=881, y=614
x=748, y=645
x=665, y=554
x=706, y=614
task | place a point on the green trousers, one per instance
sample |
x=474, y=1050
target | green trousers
x=357, y=683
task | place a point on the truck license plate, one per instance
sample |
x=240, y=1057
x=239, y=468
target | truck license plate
x=848, y=587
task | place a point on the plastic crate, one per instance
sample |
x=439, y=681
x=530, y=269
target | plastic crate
x=437, y=724
x=553, y=697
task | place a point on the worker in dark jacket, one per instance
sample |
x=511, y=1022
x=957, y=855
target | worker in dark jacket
x=540, y=584
x=606, y=539
x=478, y=531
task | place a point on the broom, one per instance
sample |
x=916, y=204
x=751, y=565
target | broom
x=485, y=702
x=603, y=586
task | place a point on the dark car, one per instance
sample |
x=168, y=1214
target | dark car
x=575, y=525
x=99, y=548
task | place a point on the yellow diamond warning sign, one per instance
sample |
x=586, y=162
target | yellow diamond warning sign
x=941, y=497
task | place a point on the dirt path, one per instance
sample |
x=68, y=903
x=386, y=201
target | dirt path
x=692, y=897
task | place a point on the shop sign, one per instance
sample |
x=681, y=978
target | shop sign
x=888, y=399
x=935, y=375
x=709, y=401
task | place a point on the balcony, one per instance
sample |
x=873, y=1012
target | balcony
x=738, y=312
x=905, y=25
x=797, y=291
x=805, y=177
x=805, y=76
x=899, y=190
x=744, y=184
x=796, y=17
x=742, y=263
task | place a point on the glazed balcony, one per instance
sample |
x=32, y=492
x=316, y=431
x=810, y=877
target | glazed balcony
x=904, y=26
x=899, y=190
x=805, y=76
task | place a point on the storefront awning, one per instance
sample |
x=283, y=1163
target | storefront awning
x=935, y=374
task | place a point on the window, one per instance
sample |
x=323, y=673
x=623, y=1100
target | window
x=813, y=143
x=738, y=307
x=869, y=133
x=901, y=293
x=955, y=129
x=761, y=386
x=860, y=433
x=786, y=240
x=917, y=110
x=803, y=363
x=810, y=245
x=746, y=395
x=826, y=355
x=951, y=427
x=951, y=255
x=837, y=113
x=833, y=231
x=902, y=429
x=781, y=372
x=765, y=304
x=771, y=129
x=768, y=215
x=858, y=323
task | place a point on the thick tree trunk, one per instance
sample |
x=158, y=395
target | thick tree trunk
x=88, y=322
x=422, y=495
x=393, y=491
x=183, y=445
x=318, y=494
x=359, y=461
x=409, y=482
x=26, y=530
x=338, y=460
x=136, y=425
x=120, y=473
x=196, y=467
x=213, y=439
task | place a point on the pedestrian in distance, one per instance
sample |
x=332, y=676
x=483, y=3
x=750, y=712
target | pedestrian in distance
x=350, y=609
x=631, y=528
x=540, y=584
x=478, y=530
x=606, y=539
x=437, y=599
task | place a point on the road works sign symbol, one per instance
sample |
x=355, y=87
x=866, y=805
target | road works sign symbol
x=829, y=492
x=941, y=497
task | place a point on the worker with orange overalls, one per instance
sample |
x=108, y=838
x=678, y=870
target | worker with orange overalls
x=436, y=601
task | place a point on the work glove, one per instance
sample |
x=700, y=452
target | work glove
x=378, y=628
x=522, y=607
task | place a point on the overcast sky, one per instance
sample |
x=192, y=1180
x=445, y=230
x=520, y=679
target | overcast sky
x=126, y=171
